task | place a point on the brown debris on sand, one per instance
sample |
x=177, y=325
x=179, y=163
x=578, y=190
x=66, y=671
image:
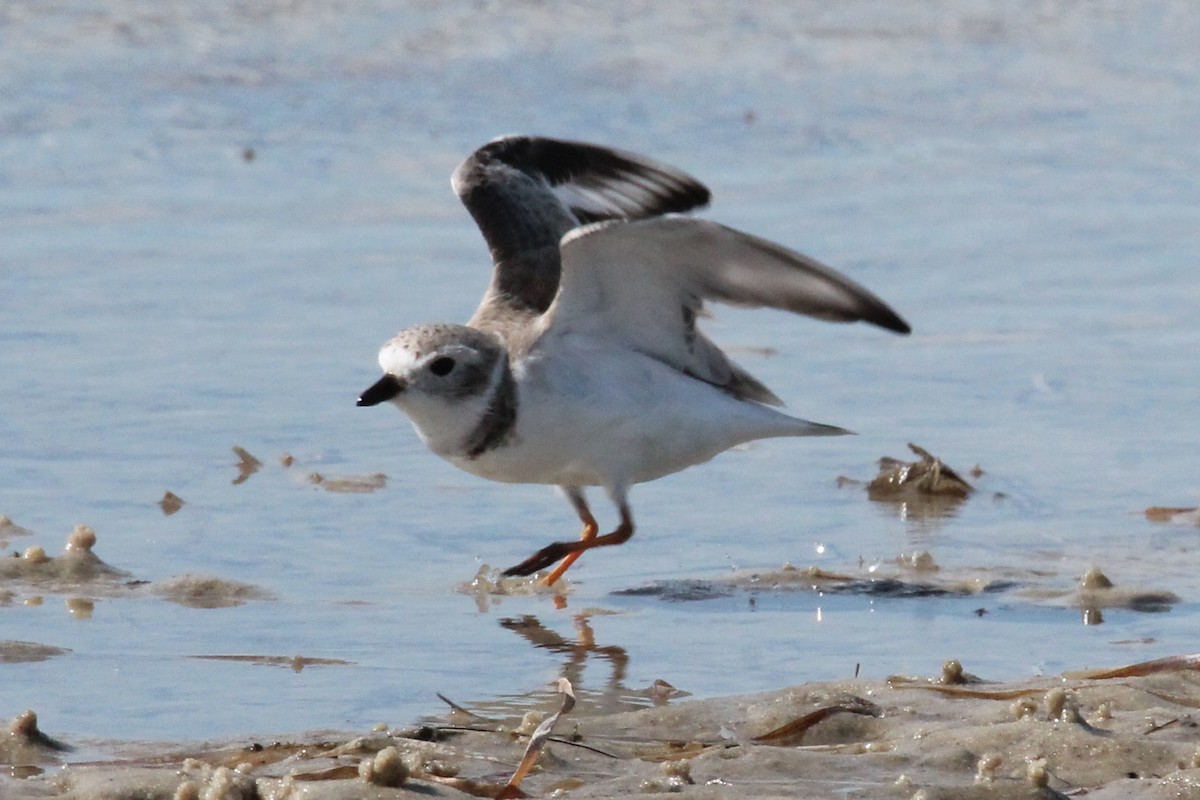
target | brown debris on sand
x=349, y=484
x=77, y=565
x=1175, y=515
x=83, y=576
x=927, y=476
x=24, y=744
x=208, y=591
x=247, y=465
x=915, y=575
x=170, y=503
x=1095, y=592
x=18, y=652
x=10, y=529
x=537, y=743
x=924, y=489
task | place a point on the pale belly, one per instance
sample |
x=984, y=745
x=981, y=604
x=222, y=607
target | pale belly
x=617, y=424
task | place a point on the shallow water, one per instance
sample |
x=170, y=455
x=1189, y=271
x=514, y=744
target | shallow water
x=212, y=215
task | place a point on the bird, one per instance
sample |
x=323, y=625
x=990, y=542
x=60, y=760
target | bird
x=584, y=365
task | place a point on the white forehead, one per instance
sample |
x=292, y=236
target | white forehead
x=395, y=358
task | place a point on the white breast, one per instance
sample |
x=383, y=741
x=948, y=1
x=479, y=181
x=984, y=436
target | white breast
x=590, y=415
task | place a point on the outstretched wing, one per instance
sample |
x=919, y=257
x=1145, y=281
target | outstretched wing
x=526, y=192
x=643, y=284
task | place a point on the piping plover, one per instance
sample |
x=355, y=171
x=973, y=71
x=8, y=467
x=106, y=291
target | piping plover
x=583, y=365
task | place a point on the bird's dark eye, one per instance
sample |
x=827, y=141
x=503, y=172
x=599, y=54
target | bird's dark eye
x=441, y=366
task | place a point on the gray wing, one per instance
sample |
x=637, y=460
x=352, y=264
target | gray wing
x=643, y=283
x=526, y=192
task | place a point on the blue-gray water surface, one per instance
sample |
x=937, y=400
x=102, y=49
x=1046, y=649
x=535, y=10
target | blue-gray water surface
x=213, y=213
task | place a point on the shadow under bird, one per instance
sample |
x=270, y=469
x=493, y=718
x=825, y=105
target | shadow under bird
x=583, y=365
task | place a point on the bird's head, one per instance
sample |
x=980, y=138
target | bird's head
x=443, y=377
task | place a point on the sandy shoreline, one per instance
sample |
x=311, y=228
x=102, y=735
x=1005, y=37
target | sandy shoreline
x=1124, y=733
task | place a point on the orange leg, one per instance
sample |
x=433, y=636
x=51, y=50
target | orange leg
x=569, y=552
x=590, y=529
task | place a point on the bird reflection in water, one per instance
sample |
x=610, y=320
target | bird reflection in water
x=577, y=653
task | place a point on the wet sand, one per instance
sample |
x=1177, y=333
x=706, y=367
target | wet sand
x=1124, y=733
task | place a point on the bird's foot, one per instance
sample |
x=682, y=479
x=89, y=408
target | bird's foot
x=541, y=559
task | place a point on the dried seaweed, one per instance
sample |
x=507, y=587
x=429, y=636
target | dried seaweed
x=976, y=694
x=460, y=709
x=538, y=741
x=791, y=733
x=341, y=772
x=1140, y=669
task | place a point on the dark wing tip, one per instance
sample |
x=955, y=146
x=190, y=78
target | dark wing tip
x=847, y=302
x=609, y=183
x=866, y=307
x=884, y=317
x=640, y=186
